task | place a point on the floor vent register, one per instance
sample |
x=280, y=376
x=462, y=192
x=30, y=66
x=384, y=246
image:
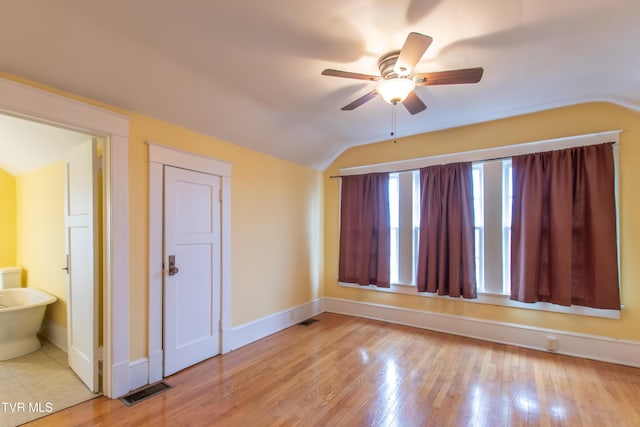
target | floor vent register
x=145, y=393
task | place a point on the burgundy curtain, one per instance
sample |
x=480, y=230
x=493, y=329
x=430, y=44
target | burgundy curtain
x=446, y=256
x=365, y=232
x=563, y=242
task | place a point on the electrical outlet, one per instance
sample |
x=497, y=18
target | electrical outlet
x=552, y=343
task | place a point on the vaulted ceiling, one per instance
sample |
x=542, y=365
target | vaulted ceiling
x=249, y=71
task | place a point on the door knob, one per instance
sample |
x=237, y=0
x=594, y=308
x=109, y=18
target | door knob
x=173, y=270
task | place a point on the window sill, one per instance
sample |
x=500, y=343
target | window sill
x=493, y=299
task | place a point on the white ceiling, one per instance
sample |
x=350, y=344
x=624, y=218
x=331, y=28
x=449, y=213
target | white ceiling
x=249, y=71
x=26, y=145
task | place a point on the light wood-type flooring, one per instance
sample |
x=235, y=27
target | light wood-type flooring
x=348, y=371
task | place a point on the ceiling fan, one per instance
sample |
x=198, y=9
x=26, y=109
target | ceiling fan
x=397, y=79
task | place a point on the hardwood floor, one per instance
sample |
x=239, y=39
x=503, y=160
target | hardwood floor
x=347, y=371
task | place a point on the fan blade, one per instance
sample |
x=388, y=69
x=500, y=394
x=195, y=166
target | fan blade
x=349, y=75
x=414, y=47
x=413, y=103
x=358, y=102
x=451, y=77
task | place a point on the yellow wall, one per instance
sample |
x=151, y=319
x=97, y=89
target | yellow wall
x=276, y=226
x=7, y=219
x=574, y=120
x=284, y=217
x=276, y=209
x=40, y=235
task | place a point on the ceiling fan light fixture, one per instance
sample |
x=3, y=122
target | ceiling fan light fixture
x=395, y=90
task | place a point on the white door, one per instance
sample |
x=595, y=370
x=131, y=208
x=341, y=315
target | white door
x=81, y=226
x=191, y=268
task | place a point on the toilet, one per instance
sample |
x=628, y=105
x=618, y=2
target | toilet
x=9, y=277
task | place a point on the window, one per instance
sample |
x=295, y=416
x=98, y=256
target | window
x=394, y=224
x=415, y=191
x=492, y=191
x=507, y=201
x=492, y=204
x=404, y=209
x=492, y=223
x=478, y=221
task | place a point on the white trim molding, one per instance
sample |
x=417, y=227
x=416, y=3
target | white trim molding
x=492, y=299
x=491, y=154
x=488, y=153
x=34, y=104
x=159, y=156
x=54, y=333
x=594, y=347
x=260, y=328
x=138, y=373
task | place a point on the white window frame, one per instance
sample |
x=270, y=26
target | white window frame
x=394, y=240
x=507, y=198
x=404, y=241
x=485, y=155
x=479, y=228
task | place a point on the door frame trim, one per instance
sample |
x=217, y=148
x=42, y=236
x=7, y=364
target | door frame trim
x=159, y=156
x=31, y=103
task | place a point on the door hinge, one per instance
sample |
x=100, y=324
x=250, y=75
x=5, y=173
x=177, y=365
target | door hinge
x=100, y=353
x=220, y=195
x=101, y=163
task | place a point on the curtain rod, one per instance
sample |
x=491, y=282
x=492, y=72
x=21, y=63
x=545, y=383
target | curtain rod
x=415, y=169
x=493, y=159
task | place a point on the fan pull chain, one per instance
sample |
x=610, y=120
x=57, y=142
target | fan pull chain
x=393, y=122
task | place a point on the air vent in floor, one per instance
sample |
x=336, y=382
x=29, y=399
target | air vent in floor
x=145, y=393
x=308, y=322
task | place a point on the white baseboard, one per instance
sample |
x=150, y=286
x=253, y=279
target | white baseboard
x=226, y=332
x=54, y=333
x=253, y=331
x=138, y=373
x=145, y=371
x=138, y=370
x=155, y=366
x=572, y=344
x=120, y=384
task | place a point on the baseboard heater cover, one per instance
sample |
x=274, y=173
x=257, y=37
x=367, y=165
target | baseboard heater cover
x=145, y=393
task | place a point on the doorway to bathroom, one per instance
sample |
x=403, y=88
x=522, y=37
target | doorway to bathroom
x=43, y=191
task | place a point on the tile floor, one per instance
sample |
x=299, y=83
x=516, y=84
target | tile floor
x=36, y=384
